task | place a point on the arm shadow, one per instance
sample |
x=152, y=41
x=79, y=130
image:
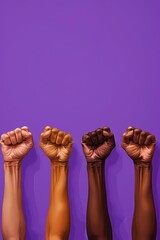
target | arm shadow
x=29, y=168
x=77, y=201
x=155, y=185
x=114, y=165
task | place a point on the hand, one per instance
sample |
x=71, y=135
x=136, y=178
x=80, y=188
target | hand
x=16, y=144
x=139, y=145
x=57, y=145
x=97, y=145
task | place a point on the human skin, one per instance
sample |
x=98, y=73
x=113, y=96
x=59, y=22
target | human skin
x=97, y=146
x=57, y=146
x=140, y=146
x=15, y=145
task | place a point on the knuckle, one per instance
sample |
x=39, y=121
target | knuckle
x=55, y=130
x=143, y=133
x=11, y=133
x=3, y=135
x=61, y=133
x=47, y=127
x=17, y=130
x=25, y=127
x=137, y=130
x=93, y=133
x=106, y=128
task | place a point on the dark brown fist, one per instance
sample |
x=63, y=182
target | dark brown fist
x=97, y=145
x=139, y=145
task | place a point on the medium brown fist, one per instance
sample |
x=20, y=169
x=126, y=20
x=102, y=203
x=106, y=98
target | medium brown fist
x=16, y=144
x=97, y=145
x=57, y=145
x=138, y=144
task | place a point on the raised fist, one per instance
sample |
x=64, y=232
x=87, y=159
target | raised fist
x=16, y=144
x=97, y=145
x=139, y=145
x=57, y=145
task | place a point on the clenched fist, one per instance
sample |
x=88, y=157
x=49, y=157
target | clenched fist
x=97, y=145
x=139, y=145
x=16, y=144
x=57, y=145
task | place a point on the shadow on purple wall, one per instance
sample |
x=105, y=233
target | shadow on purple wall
x=115, y=162
x=156, y=187
x=77, y=224
x=30, y=165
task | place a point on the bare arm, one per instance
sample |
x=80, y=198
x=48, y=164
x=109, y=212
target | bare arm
x=13, y=223
x=144, y=220
x=97, y=145
x=57, y=146
x=140, y=146
x=58, y=219
x=98, y=220
x=15, y=145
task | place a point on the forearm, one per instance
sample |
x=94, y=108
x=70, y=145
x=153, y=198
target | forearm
x=144, y=220
x=58, y=220
x=13, y=223
x=98, y=221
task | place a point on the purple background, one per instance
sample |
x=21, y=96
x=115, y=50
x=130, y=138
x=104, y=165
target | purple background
x=79, y=65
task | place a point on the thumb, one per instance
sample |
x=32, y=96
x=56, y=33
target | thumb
x=1, y=142
x=84, y=146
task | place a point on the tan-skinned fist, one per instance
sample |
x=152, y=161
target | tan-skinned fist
x=56, y=144
x=98, y=144
x=16, y=144
x=138, y=144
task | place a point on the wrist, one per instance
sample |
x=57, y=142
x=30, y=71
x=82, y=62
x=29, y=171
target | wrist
x=55, y=163
x=95, y=159
x=13, y=163
x=142, y=163
x=97, y=163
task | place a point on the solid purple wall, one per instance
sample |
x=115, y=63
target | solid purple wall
x=79, y=65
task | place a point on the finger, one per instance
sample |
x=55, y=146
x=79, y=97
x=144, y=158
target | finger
x=54, y=135
x=94, y=138
x=142, y=137
x=45, y=136
x=150, y=140
x=5, y=139
x=67, y=140
x=107, y=129
x=12, y=137
x=25, y=128
x=86, y=139
x=47, y=128
x=127, y=136
x=60, y=137
x=100, y=136
x=18, y=133
x=26, y=135
x=107, y=135
x=136, y=135
x=130, y=128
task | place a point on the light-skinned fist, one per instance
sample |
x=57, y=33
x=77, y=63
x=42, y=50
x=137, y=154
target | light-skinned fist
x=56, y=144
x=138, y=144
x=16, y=144
x=97, y=145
